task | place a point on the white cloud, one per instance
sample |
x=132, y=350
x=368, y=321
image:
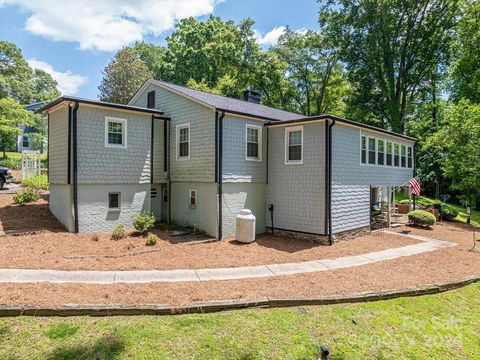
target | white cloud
x=271, y=37
x=68, y=83
x=107, y=25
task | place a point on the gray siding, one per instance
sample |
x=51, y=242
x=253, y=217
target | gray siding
x=98, y=164
x=58, y=146
x=61, y=204
x=297, y=191
x=351, y=180
x=94, y=214
x=346, y=167
x=238, y=196
x=204, y=215
x=236, y=168
x=350, y=207
x=201, y=165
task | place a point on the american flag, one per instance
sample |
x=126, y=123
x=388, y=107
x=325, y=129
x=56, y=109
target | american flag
x=414, y=186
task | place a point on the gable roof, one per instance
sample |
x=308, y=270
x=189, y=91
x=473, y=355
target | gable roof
x=223, y=103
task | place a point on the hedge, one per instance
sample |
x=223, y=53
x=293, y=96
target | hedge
x=421, y=218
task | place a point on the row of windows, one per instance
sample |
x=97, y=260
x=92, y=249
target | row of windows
x=376, y=151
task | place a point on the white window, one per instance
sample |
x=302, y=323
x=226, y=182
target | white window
x=396, y=158
x=114, y=201
x=380, y=152
x=410, y=157
x=115, y=132
x=253, y=136
x=193, y=198
x=294, y=145
x=183, y=142
x=371, y=150
x=389, y=161
x=364, y=150
x=404, y=156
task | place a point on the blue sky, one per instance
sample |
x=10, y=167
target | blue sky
x=74, y=40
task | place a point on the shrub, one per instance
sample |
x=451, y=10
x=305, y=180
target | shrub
x=144, y=222
x=421, y=218
x=118, y=232
x=27, y=195
x=449, y=213
x=38, y=182
x=152, y=239
x=12, y=164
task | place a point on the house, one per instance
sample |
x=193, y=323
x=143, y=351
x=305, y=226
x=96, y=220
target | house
x=25, y=140
x=197, y=159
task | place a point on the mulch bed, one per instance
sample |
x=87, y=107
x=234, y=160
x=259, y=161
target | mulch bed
x=54, y=248
x=441, y=266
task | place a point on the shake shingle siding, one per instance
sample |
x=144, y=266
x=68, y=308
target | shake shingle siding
x=58, y=146
x=351, y=180
x=201, y=165
x=297, y=192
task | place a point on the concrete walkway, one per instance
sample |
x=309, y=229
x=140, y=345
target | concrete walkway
x=244, y=272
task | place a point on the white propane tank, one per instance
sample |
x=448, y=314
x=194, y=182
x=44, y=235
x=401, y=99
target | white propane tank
x=246, y=226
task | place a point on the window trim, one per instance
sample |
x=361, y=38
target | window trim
x=259, y=143
x=109, y=119
x=403, y=157
x=190, y=197
x=177, y=141
x=288, y=130
x=119, y=201
x=384, y=151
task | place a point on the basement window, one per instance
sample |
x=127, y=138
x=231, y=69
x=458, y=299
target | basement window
x=114, y=201
x=193, y=198
x=115, y=132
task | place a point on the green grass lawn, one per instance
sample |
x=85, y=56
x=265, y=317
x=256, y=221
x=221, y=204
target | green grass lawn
x=18, y=156
x=462, y=212
x=442, y=326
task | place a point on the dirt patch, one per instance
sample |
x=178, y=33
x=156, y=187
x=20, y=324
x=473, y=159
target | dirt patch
x=442, y=265
x=54, y=248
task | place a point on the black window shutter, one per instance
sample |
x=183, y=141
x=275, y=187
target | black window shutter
x=151, y=99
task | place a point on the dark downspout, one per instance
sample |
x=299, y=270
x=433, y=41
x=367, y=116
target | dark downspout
x=48, y=144
x=75, y=179
x=220, y=175
x=69, y=150
x=151, y=149
x=266, y=161
x=329, y=180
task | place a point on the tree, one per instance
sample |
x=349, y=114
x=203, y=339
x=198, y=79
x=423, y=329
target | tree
x=11, y=114
x=44, y=87
x=459, y=142
x=15, y=74
x=313, y=71
x=391, y=48
x=123, y=76
x=465, y=76
x=40, y=124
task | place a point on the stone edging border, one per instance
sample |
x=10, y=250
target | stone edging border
x=223, y=305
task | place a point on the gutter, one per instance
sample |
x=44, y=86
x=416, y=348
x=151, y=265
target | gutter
x=328, y=182
x=75, y=166
x=219, y=169
x=240, y=113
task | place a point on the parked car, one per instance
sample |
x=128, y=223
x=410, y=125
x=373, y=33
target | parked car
x=5, y=176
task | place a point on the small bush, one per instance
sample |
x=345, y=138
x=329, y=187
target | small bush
x=119, y=232
x=39, y=182
x=144, y=222
x=421, y=218
x=27, y=195
x=449, y=213
x=12, y=164
x=152, y=239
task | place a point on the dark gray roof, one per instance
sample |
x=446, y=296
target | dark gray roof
x=240, y=107
x=35, y=106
